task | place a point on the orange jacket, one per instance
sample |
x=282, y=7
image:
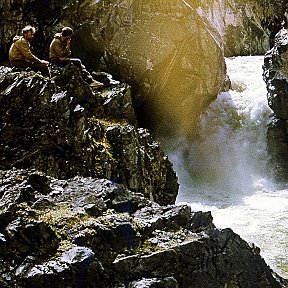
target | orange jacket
x=59, y=48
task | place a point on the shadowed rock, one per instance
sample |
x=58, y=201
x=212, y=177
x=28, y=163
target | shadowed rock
x=275, y=73
x=64, y=128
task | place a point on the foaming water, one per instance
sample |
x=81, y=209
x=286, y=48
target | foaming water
x=227, y=169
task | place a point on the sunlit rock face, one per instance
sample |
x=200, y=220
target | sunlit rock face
x=170, y=51
x=165, y=49
x=240, y=25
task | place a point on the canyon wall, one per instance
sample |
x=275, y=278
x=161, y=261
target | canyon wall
x=171, y=52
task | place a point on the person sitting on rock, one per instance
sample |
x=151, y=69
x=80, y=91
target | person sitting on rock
x=60, y=52
x=21, y=56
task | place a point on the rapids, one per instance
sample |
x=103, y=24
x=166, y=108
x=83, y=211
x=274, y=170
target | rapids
x=226, y=170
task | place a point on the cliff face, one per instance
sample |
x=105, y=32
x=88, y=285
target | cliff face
x=276, y=76
x=171, y=57
x=171, y=52
x=239, y=25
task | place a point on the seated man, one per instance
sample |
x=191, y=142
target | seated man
x=60, y=51
x=21, y=56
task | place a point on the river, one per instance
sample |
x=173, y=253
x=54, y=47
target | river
x=226, y=170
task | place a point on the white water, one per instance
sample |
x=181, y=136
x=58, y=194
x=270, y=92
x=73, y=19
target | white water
x=227, y=170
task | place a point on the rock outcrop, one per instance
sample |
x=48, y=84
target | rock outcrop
x=64, y=128
x=87, y=232
x=109, y=220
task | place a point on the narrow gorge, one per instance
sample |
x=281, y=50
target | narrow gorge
x=94, y=189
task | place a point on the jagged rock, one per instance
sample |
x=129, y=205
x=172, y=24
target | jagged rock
x=200, y=262
x=275, y=75
x=277, y=139
x=39, y=183
x=168, y=282
x=74, y=268
x=78, y=131
x=144, y=244
x=29, y=237
x=175, y=216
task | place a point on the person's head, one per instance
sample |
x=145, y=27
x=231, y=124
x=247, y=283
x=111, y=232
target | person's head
x=28, y=32
x=66, y=32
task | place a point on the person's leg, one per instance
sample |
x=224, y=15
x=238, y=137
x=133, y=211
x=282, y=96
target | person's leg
x=60, y=63
x=43, y=68
x=19, y=63
x=77, y=62
x=87, y=77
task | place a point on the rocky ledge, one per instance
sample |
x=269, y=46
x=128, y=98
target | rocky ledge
x=87, y=197
x=62, y=127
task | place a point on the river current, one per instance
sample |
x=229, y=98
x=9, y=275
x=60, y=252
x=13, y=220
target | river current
x=226, y=170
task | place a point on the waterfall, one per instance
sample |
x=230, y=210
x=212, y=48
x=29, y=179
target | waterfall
x=226, y=170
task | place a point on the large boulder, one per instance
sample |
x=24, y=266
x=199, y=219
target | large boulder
x=169, y=55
